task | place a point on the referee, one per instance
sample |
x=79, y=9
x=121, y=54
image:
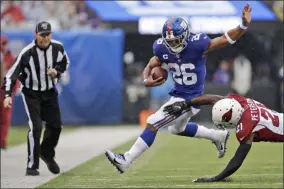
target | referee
x=39, y=67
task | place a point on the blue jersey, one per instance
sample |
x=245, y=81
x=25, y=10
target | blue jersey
x=188, y=68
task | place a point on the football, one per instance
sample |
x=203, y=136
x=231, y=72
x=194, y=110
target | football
x=159, y=72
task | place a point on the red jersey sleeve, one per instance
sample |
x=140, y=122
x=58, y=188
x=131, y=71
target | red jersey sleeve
x=9, y=60
x=246, y=125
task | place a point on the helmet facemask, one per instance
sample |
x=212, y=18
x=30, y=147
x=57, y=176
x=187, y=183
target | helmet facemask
x=224, y=125
x=176, y=44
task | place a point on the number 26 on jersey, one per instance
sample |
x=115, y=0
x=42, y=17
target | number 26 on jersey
x=181, y=75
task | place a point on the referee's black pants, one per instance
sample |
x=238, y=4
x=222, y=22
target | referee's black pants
x=42, y=106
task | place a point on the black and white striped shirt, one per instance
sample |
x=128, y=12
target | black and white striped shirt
x=31, y=65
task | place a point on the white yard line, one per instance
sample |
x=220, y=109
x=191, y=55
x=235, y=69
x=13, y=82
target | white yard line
x=192, y=177
x=236, y=175
x=220, y=185
x=73, y=149
x=232, y=184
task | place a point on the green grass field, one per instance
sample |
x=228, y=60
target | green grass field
x=17, y=135
x=173, y=162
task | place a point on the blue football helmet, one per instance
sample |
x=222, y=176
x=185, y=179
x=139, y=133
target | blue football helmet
x=174, y=34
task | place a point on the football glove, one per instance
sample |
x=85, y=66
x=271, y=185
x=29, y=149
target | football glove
x=176, y=108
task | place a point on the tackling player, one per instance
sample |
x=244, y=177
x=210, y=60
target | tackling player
x=254, y=122
x=185, y=54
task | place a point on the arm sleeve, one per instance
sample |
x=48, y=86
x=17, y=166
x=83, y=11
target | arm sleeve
x=235, y=162
x=62, y=62
x=13, y=74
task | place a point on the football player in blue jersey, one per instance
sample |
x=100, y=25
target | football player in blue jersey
x=185, y=54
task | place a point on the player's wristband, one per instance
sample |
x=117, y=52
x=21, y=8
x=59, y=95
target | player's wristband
x=187, y=103
x=229, y=38
x=243, y=27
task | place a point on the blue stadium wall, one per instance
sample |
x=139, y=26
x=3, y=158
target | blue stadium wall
x=91, y=92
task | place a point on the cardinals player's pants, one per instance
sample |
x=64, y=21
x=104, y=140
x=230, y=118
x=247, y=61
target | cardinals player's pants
x=175, y=125
x=42, y=106
x=5, y=120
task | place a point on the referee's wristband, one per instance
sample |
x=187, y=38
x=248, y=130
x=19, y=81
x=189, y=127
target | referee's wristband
x=58, y=72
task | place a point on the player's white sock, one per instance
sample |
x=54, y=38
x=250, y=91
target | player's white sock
x=145, y=140
x=136, y=150
x=210, y=134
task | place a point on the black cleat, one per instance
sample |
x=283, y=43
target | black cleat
x=51, y=164
x=31, y=172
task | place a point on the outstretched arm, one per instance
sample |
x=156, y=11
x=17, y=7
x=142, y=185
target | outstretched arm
x=232, y=35
x=177, y=107
x=204, y=100
x=234, y=164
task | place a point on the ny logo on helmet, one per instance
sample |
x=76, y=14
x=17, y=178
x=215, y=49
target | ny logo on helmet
x=183, y=24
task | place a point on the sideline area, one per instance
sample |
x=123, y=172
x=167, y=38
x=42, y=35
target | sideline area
x=73, y=149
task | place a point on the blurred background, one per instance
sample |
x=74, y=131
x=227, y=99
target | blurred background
x=110, y=42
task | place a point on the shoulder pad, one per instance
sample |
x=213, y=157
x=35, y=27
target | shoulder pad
x=199, y=37
x=201, y=40
x=159, y=48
